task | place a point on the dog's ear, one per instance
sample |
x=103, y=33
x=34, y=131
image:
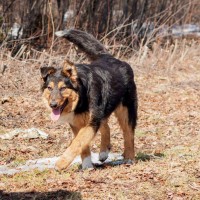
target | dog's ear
x=46, y=71
x=69, y=70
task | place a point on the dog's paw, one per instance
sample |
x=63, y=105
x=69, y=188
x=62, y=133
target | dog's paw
x=103, y=155
x=87, y=163
x=128, y=161
x=61, y=163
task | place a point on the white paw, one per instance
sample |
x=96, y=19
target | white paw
x=128, y=161
x=103, y=155
x=87, y=163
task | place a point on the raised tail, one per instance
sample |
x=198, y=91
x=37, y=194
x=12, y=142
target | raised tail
x=85, y=42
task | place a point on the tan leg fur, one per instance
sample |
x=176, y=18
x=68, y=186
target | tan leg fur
x=79, y=145
x=105, y=141
x=128, y=132
x=85, y=154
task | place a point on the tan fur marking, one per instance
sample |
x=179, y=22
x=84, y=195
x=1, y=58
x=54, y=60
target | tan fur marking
x=78, y=145
x=81, y=120
x=128, y=133
x=72, y=97
x=51, y=84
x=61, y=84
x=47, y=93
x=86, y=152
x=69, y=94
x=105, y=137
x=69, y=69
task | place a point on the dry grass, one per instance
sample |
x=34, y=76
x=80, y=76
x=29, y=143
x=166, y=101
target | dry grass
x=167, y=136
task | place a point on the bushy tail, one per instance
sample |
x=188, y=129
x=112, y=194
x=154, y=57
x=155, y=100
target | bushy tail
x=85, y=41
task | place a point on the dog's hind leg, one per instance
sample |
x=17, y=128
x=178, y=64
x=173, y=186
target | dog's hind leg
x=105, y=141
x=128, y=132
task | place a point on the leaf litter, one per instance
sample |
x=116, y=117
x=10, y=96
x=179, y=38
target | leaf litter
x=167, y=137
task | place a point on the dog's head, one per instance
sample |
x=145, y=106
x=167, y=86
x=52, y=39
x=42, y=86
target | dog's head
x=60, y=89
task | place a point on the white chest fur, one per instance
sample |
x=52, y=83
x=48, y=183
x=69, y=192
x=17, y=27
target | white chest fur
x=66, y=118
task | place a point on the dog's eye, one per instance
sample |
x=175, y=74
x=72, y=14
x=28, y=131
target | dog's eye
x=49, y=88
x=63, y=88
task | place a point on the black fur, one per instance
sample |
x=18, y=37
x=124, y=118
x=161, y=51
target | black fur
x=108, y=83
x=88, y=94
x=85, y=41
x=103, y=84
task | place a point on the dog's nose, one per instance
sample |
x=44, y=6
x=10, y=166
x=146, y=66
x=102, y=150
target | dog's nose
x=53, y=104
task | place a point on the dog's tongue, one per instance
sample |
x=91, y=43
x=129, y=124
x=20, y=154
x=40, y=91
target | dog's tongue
x=55, y=114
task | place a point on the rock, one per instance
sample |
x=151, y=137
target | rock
x=6, y=99
x=31, y=133
x=49, y=163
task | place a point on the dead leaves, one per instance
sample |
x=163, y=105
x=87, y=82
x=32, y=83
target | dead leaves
x=168, y=125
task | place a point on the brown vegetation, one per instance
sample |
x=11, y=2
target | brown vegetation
x=167, y=135
x=123, y=20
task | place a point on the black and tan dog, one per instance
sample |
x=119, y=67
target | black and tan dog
x=85, y=95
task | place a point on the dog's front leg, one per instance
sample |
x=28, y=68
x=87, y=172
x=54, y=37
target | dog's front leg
x=79, y=145
x=85, y=154
x=105, y=141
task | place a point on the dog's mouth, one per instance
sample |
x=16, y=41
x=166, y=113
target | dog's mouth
x=56, y=113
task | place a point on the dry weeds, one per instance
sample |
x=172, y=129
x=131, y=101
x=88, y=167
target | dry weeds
x=167, y=136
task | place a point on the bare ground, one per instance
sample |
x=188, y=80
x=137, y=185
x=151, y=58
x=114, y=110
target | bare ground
x=167, y=135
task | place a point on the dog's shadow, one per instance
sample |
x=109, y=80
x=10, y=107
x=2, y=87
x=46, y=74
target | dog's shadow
x=139, y=157
x=59, y=194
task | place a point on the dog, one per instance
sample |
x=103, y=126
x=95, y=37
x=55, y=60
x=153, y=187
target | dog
x=85, y=95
